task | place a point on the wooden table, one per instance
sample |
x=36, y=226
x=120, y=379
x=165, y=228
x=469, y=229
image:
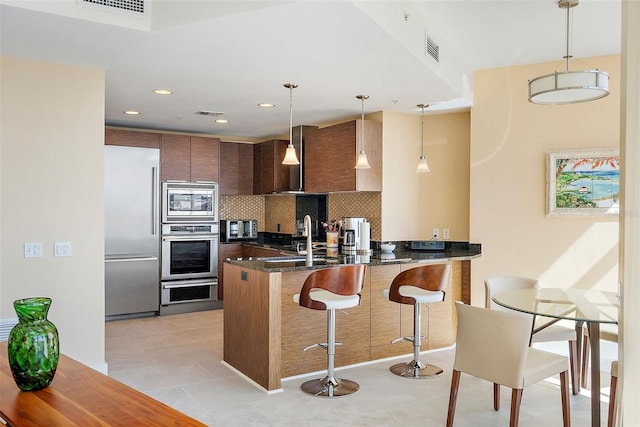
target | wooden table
x=588, y=306
x=81, y=396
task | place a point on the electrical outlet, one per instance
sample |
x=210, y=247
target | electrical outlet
x=435, y=235
x=445, y=233
x=62, y=249
x=33, y=249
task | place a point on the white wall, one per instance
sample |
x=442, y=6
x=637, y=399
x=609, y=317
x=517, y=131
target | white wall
x=415, y=203
x=509, y=141
x=51, y=189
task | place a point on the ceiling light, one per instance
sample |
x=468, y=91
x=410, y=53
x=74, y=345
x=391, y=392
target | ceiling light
x=266, y=105
x=290, y=157
x=569, y=87
x=162, y=92
x=222, y=121
x=422, y=164
x=362, y=162
x=132, y=113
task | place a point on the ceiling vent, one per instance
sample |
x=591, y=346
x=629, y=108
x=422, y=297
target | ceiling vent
x=432, y=49
x=125, y=5
x=210, y=113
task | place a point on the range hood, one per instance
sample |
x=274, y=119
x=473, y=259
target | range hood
x=296, y=172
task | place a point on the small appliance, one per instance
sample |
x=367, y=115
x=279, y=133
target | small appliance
x=355, y=236
x=238, y=229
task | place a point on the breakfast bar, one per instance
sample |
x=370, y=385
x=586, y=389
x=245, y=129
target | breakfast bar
x=265, y=332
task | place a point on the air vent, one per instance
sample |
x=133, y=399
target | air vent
x=128, y=5
x=210, y=113
x=432, y=49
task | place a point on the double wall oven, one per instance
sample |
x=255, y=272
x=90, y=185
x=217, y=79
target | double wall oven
x=189, y=247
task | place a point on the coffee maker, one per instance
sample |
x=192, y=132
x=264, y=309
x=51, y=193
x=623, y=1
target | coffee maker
x=352, y=237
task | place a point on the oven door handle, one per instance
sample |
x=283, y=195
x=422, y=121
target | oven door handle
x=187, y=284
x=190, y=237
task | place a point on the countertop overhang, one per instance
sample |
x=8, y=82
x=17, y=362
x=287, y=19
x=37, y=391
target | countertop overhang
x=297, y=262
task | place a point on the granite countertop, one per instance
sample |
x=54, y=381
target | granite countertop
x=322, y=259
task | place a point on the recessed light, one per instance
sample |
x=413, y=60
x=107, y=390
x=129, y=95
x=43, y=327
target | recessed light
x=162, y=92
x=132, y=113
x=222, y=121
x=266, y=105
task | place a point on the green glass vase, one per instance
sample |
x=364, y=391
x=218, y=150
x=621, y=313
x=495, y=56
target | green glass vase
x=33, y=345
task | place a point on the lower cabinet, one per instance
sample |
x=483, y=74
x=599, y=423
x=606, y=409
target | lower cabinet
x=226, y=250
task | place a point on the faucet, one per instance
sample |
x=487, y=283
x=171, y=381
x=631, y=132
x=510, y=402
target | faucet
x=307, y=232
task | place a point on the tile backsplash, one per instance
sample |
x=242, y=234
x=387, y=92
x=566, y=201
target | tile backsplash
x=281, y=209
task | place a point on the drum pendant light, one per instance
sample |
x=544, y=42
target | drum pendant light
x=569, y=87
x=362, y=162
x=290, y=157
x=422, y=164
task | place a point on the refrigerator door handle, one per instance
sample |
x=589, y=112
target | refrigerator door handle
x=150, y=258
x=154, y=201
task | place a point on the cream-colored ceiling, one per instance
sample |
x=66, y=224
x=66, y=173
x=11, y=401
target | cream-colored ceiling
x=228, y=56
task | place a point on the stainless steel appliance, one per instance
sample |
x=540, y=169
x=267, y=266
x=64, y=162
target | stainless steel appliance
x=238, y=229
x=351, y=238
x=189, y=201
x=132, y=237
x=189, y=267
x=189, y=251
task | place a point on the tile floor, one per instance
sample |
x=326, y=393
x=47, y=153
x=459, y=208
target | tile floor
x=176, y=360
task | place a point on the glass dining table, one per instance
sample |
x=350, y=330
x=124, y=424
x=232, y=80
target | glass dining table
x=584, y=306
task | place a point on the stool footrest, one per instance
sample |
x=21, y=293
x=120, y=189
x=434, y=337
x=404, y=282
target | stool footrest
x=410, y=339
x=320, y=344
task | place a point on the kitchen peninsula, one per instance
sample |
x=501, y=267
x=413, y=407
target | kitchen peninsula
x=265, y=332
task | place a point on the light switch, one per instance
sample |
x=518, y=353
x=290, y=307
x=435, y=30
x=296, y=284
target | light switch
x=62, y=249
x=33, y=249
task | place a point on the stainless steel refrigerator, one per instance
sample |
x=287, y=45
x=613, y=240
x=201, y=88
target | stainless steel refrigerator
x=132, y=236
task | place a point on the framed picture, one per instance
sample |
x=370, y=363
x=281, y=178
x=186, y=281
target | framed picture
x=583, y=182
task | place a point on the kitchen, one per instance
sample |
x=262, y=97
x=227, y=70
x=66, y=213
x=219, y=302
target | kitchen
x=277, y=209
x=491, y=217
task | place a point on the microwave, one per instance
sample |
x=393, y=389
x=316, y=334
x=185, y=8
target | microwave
x=238, y=229
x=189, y=201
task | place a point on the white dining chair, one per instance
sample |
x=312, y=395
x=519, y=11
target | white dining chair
x=494, y=345
x=550, y=333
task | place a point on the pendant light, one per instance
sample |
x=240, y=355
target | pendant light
x=422, y=164
x=569, y=87
x=290, y=157
x=362, y=162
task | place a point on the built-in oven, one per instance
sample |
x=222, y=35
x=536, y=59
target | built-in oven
x=189, y=201
x=189, y=251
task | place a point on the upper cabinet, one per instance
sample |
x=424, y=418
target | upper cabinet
x=189, y=158
x=131, y=138
x=331, y=153
x=236, y=168
x=269, y=174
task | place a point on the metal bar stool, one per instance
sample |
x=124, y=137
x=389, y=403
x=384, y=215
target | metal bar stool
x=420, y=285
x=331, y=289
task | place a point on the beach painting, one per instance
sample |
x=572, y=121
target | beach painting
x=583, y=182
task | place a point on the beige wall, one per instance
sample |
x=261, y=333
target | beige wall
x=412, y=203
x=51, y=189
x=509, y=141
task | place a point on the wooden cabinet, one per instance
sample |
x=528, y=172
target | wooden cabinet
x=236, y=168
x=226, y=250
x=270, y=175
x=131, y=138
x=259, y=251
x=189, y=158
x=331, y=153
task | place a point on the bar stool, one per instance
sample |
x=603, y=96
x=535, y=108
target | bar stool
x=420, y=285
x=331, y=289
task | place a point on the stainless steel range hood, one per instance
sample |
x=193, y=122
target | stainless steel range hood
x=296, y=172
